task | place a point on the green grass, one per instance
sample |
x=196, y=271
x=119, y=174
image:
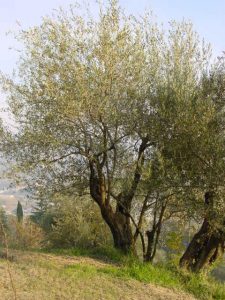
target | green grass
x=47, y=276
x=72, y=274
x=202, y=286
x=107, y=254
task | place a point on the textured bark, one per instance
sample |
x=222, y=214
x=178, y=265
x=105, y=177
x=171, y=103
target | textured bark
x=148, y=257
x=154, y=233
x=206, y=246
x=119, y=220
x=120, y=226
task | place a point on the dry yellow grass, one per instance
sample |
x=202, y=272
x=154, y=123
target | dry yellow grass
x=48, y=277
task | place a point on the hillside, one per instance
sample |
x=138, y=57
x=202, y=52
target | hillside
x=45, y=276
x=11, y=194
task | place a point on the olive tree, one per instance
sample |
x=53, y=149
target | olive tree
x=194, y=144
x=208, y=174
x=94, y=99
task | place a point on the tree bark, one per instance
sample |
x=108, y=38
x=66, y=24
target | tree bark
x=206, y=246
x=120, y=226
x=148, y=256
x=154, y=233
x=119, y=221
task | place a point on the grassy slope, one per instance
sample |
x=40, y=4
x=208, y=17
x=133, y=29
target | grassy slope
x=73, y=274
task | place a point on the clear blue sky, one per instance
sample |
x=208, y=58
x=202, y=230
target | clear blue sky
x=208, y=17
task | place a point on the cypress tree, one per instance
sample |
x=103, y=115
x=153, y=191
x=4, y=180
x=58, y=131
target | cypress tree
x=19, y=212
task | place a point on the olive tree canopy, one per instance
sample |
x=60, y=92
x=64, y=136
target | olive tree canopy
x=96, y=98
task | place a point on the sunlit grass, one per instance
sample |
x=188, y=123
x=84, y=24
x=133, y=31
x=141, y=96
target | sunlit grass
x=102, y=272
x=202, y=286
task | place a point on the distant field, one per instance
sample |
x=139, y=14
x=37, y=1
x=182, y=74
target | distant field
x=219, y=272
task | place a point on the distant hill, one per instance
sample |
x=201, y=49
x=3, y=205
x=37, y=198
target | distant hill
x=10, y=195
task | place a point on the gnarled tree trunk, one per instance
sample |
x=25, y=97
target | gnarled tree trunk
x=118, y=220
x=206, y=246
x=120, y=226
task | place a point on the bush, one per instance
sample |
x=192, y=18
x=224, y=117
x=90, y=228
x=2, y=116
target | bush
x=76, y=222
x=24, y=235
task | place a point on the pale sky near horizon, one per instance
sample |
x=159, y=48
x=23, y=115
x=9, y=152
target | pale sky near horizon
x=208, y=17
